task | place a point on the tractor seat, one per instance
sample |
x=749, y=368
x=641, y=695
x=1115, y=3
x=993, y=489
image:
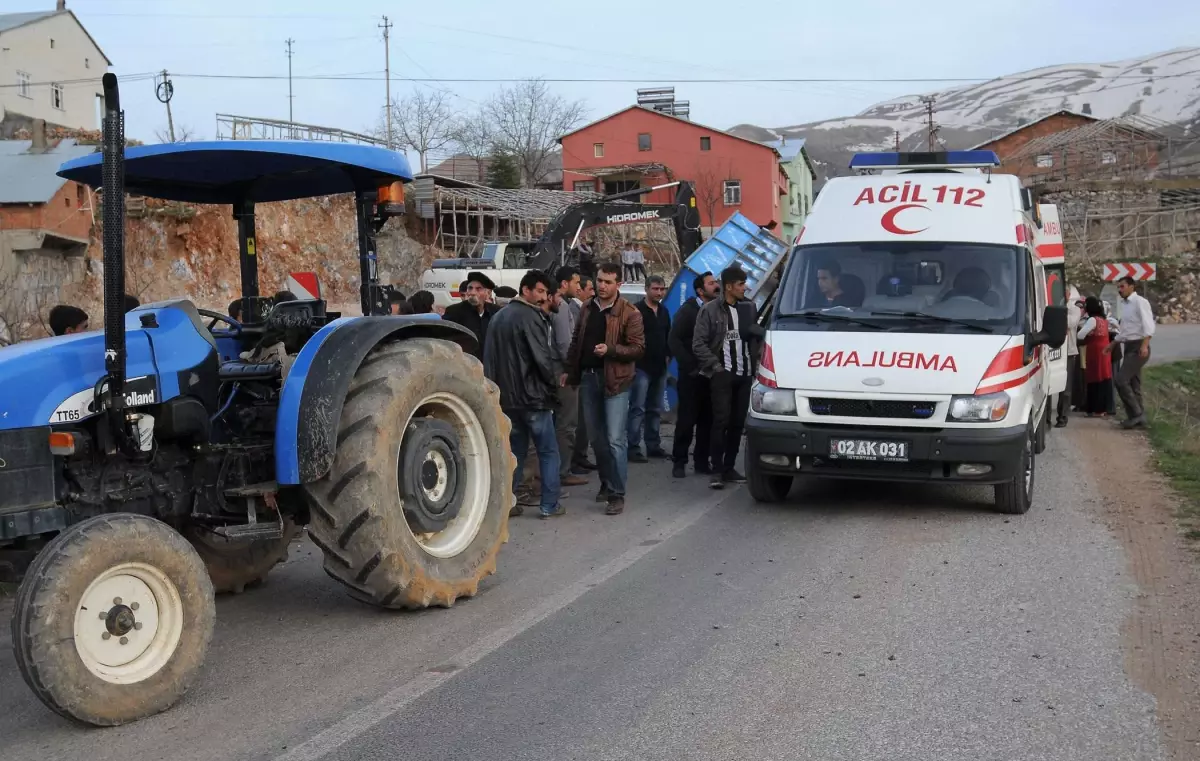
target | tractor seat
x=250, y=371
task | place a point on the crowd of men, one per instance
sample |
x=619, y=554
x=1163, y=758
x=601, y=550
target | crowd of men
x=580, y=366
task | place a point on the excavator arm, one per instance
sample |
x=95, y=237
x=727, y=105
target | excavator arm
x=557, y=244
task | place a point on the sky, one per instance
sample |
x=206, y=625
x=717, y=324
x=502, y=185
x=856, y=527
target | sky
x=214, y=49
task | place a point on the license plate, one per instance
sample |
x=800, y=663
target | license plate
x=868, y=449
x=1055, y=354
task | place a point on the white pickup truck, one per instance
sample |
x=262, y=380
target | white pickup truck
x=506, y=263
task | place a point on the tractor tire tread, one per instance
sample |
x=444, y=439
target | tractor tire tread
x=370, y=550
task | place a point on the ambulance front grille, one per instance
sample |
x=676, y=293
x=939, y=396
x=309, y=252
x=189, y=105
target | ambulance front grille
x=876, y=408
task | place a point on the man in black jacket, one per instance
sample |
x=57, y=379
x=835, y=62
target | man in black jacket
x=695, y=407
x=520, y=360
x=475, y=313
x=649, y=383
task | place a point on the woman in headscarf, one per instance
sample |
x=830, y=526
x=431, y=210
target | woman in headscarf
x=1093, y=338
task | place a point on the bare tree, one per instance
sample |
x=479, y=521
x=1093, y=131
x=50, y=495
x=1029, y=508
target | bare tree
x=183, y=134
x=26, y=296
x=474, y=135
x=528, y=120
x=142, y=247
x=423, y=122
x=710, y=188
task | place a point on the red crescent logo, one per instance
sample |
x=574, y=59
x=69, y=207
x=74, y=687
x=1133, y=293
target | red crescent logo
x=889, y=219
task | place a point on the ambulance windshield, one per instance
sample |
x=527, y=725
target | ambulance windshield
x=958, y=286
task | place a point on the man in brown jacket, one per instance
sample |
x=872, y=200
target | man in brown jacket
x=608, y=341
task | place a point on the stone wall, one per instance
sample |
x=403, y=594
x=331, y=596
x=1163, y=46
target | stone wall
x=1155, y=222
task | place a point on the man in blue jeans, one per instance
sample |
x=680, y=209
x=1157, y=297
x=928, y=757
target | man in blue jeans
x=519, y=359
x=608, y=341
x=650, y=381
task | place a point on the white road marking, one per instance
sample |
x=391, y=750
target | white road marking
x=362, y=720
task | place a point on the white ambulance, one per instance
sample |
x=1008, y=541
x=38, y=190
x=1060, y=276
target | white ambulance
x=910, y=338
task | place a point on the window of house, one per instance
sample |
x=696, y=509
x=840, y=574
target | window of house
x=584, y=186
x=67, y=201
x=733, y=192
x=706, y=143
x=644, y=141
x=1045, y=160
x=57, y=96
x=1108, y=157
x=598, y=150
x=79, y=194
x=52, y=43
x=87, y=63
x=23, y=82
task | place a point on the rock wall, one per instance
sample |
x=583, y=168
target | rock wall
x=1135, y=222
x=175, y=250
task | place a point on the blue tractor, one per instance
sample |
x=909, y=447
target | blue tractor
x=176, y=453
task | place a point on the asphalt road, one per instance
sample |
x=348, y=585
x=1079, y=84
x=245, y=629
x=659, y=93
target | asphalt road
x=1175, y=342
x=857, y=622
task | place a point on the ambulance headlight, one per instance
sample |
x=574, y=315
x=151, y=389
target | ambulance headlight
x=772, y=401
x=985, y=408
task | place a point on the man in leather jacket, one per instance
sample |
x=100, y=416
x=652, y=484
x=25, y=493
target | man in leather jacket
x=518, y=357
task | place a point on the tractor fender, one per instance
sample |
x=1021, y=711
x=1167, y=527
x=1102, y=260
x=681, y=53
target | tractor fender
x=310, y=406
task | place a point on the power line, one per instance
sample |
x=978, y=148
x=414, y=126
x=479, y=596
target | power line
x=1145, y=78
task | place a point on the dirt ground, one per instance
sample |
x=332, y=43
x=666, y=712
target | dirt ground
x=1162, y=637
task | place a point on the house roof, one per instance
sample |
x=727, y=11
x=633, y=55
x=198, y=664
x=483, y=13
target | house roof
x=792, y=148
x=697, y=125
x=31, y=177
x=1017, y=129
x=9, y=21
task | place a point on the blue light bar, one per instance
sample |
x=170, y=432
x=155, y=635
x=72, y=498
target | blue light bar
x=940, y=158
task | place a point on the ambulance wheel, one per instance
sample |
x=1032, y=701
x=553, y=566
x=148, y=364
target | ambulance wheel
x=1014, y=497
x=113, y=620
x=1039, y=440
x=767, y=487
x=416, y=505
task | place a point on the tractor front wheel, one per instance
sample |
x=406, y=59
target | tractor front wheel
x=113, y=620
x=416, y=506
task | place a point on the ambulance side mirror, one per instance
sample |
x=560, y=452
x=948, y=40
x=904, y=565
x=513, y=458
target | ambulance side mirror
x=1054, y=328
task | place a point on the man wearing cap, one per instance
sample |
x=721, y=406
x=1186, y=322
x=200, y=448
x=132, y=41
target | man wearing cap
x=475, y=312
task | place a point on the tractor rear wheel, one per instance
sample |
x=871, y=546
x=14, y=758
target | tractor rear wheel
x=232, y=565
x=113, y=620
x=415, y=508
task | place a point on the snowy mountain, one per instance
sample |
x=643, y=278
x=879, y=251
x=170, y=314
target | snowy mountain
x=1162, y=86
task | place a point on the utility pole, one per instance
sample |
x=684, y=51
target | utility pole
x=290, y=97
x=931, y=128
x=387, y=76
x=897, y=141
x=164, y=92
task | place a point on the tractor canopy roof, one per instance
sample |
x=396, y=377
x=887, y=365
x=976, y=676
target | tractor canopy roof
x=255, y=171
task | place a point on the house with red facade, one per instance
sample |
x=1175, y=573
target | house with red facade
x=639, y=147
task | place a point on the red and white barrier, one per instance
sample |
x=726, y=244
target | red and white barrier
x=1136, y=270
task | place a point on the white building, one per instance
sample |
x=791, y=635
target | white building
x=51, y=68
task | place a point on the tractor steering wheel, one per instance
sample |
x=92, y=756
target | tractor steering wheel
x=218, y=317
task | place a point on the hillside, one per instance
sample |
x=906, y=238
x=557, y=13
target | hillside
x=1165, y=86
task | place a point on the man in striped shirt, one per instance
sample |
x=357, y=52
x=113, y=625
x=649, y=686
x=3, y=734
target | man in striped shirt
x=727, y=344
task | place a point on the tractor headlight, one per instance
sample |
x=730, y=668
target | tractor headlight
x=772, y=401
x=985, y=408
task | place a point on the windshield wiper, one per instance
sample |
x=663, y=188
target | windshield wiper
x=937, y=318
x=818, y=314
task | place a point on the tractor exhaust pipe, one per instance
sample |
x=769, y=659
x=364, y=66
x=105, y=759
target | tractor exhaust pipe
x=113, y=178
